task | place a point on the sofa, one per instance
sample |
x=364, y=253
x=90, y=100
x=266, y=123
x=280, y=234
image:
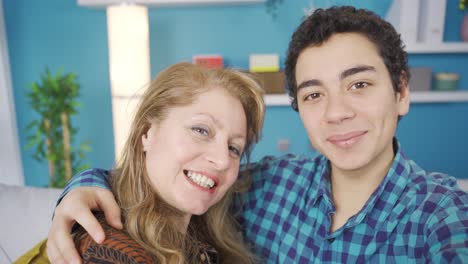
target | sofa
x=26, y=217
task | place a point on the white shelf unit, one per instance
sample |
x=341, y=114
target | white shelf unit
x=159, y=3
x=445, y=47
x=416, y=97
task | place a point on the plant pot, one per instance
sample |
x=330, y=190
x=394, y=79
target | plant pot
x=464, y=28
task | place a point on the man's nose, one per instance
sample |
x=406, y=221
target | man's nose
x=338, y=109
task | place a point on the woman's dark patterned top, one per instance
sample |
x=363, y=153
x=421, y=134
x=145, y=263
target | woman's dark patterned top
x=119, y=247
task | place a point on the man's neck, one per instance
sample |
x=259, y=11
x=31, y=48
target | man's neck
x=352, y=189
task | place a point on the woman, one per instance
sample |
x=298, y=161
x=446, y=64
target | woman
x=179, y=170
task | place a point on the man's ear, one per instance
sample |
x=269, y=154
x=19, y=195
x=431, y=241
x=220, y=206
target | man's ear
x=403, y=95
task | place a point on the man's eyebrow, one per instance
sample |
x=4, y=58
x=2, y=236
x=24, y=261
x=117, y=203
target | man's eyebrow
x=356, y=70
x=343, y=75
x=313, y=82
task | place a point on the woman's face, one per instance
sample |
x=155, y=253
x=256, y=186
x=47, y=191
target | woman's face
x=193, y=155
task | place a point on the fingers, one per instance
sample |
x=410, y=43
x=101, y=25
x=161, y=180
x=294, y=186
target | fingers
x=53, y=254
x=60, y=246
x=75, y=207
x=89, y=222
x=108, y=205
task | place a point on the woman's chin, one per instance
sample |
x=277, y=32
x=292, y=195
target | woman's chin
x=197, y=210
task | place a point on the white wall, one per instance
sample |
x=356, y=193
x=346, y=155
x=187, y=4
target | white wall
x=11, y=171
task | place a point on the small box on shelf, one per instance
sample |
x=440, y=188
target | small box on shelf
x=209, y=61
x=420, y=78
x=446, y=81
x=264, y=63
x=272, y=82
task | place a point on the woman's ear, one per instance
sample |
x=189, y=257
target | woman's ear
x=145, y=138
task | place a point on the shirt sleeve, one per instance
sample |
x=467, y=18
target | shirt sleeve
x=88, y=178
x=448, y=231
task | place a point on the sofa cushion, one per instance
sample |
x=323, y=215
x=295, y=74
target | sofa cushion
x=26, y=217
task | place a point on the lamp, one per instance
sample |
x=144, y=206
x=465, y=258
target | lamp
x=129, y=64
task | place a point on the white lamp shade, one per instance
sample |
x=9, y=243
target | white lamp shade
x=129, y=59
x=123, y=111
x=129, y=65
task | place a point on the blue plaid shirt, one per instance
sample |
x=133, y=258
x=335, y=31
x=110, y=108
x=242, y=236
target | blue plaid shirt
x=412, y=217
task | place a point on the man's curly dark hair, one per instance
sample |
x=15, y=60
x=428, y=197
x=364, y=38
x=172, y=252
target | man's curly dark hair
x=324, y=23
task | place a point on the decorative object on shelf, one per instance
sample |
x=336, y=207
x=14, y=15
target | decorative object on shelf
x=420, y=79
x=404, y=16
x=418, y=22
x=272, y=82
x=464, y=28
x=54, y=98
x=209, y=61
x=267, y=68
x=272, y=7
x=445, y=81
x=432, y=21
x=264, y=62
x=464, y=24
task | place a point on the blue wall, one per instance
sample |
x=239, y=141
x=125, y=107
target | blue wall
x=59, y=34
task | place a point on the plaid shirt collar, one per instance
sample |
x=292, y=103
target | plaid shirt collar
x=384, y=197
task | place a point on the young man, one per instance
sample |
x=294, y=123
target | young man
x=362, y=200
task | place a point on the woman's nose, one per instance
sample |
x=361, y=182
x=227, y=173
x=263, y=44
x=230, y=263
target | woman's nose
x=218, y=155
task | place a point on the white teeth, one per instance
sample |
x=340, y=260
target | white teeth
x=201, y=180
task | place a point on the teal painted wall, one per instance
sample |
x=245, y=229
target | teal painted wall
x=60, y=34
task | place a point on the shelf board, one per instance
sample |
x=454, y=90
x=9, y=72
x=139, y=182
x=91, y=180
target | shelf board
x=439, y=97
x=446, y=47
x=416, y=97
x=276, y=99
x=159, y=3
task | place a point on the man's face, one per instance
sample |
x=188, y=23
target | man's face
x=347, y=103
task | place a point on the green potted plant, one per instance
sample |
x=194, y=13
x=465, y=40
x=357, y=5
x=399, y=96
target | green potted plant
x=54, y=99
x=272, y=7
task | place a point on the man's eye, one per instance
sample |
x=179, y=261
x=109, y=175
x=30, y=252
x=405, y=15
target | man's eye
x=312, y=96
x=235, y=151
x=200, y=130
x=359, y=85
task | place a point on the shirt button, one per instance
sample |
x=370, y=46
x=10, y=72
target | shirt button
x=330, y=240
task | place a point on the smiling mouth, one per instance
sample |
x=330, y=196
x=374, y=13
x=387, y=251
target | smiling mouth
x=346, y=140
x=200, y=180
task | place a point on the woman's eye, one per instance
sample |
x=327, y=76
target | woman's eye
x=235, y=151
x=200, y=130
x=359, y=85
x=312, y=96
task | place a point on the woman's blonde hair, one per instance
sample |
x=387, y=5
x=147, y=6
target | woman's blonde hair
x=147, y=218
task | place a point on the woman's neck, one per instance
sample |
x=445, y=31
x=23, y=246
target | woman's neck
x=185, y=221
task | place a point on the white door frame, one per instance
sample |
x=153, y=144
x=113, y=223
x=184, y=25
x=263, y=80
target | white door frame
x=11, y=170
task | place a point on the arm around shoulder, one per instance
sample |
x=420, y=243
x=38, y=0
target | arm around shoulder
x=88, y=178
